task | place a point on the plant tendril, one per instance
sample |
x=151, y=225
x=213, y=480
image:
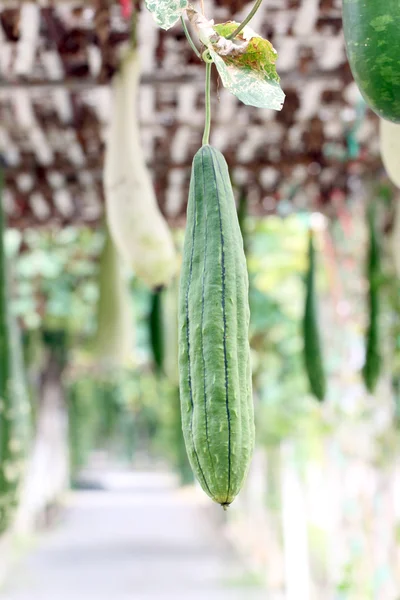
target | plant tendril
x=245, y=21
x=189, y=38
x=208, y=60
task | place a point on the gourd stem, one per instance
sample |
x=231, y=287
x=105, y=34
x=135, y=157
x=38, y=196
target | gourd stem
x=188, y=37
x=206, y=135
x=246, y=20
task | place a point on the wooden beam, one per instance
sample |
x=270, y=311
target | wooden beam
x=330, y=80
x=94, y=167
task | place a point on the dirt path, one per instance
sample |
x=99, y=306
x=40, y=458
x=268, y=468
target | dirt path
x=138, y=538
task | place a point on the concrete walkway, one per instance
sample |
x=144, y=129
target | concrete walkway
x=138, y=537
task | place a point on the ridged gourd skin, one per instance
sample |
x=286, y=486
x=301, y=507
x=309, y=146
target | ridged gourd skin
x=372, y=34
x=214, y=353
x=312, y=343
x=373, y=361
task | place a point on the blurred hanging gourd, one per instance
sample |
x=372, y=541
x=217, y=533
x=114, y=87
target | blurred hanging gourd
x=14, y=401
x=312, y=343
x=114, y=340
x=163, y=326
x=82, y=414
x=156, y=329
x=373, y=361
x=242, y=217
x=163, y=330
x=139, y=231
x=109, y=399
x=395, y=237
x=390, y=149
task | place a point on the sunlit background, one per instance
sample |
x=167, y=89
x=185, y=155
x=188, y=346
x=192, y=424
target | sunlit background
x=107, y=506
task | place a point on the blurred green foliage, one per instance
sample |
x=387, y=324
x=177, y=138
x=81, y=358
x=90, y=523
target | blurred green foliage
x=56, y=289
x=277, y=263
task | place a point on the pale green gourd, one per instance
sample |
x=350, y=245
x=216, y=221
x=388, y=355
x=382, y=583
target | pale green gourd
x=114, y=340
x=390, y=149
x=139, y=231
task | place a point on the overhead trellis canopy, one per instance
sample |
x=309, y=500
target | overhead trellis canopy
x=56, y=63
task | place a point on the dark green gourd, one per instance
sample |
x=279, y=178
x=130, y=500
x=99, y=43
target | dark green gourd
x=373, y=361
x=312, y=342
x=156, y=327
x=372, y=34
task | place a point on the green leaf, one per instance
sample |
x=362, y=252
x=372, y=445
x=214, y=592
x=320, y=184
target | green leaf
x=247, y=66
x=166, y=12
x=248, y=86
x=259, y=55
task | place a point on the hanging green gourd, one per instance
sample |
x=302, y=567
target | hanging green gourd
x=372, y=36
x=213, y=311
x=109, y=402
x=373, y=360
x=137, y=227
x=313, y=358
x=84, y=414
x=77, y=436
x=214, y=352
x=156, y=329
x=14, y=402
x=114, y=339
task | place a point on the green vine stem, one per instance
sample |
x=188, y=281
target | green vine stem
x=208, y=60
x=246, y=20
x=189, y=39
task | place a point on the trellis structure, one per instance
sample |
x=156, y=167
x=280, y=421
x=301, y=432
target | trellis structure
x=56, y=62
